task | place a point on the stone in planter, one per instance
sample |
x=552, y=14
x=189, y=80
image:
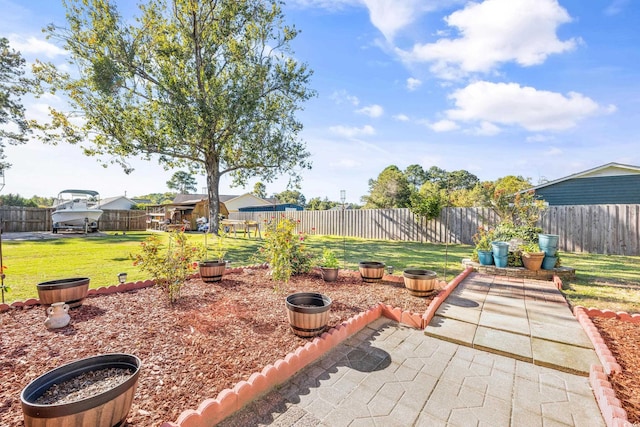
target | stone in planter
x=71, y=291
x=420, y=283
x=308, y=313
x=104, y=409
x=211, y=271
x=371, y=271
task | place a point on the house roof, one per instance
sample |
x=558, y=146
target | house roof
x=191, y=198
x=604, y=170
x=113, y=199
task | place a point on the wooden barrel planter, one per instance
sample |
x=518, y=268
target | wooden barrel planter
x=212, y=271
x=371, y=271
x=71, y=291
x=104, y=409
x=308, y=313
x=420, y=283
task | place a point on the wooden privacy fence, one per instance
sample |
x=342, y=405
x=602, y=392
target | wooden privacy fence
x=604, y=229
x=20, y=219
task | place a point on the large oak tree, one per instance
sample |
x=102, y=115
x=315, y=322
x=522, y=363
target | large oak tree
x=209, y=85
x=13, y=124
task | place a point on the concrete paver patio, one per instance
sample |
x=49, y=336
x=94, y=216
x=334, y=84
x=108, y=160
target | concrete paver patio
x=392, y=375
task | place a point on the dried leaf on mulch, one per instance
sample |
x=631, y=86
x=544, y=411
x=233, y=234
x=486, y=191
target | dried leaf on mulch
x=216, y=335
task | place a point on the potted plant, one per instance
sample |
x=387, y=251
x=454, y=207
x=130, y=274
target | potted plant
x=308, y=313
x=329, y=265
x=532, y=256
x=483, y=250
x=111, y=379
x=211, y=270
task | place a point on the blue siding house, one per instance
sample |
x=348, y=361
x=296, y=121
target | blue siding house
x=613, y=183
x=280, y=207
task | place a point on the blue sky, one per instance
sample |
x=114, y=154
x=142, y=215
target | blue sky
x=538, y=88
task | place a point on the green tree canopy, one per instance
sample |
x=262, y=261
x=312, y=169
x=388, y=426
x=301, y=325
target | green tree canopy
x=291, y=196
x=14, y=127
x=260, y=190
x=183, y=182
x=416, y=175
x=390, y=190
x=213, y=86
x=318, y=204
x=16, y=200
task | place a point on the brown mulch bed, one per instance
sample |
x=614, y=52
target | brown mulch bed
x=213, y=337
x=623, y=339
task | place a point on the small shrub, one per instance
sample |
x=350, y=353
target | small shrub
x=169, y=268
x=482, y=240
x=529, y=247
x=284, y=251
x=218, y=249
x=329, y=259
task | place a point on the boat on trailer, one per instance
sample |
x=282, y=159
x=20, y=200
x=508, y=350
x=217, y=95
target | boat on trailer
x=76, y=210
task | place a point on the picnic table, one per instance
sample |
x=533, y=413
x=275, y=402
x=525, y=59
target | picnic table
x=241, y=225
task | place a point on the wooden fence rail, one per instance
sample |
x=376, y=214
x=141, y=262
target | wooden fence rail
x=603, y=229
x=19, y=219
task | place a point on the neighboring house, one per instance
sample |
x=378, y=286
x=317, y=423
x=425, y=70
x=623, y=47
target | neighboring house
x=235, y=203
x=120, y=203
x=613, y=183
x=278, y=207
x=185, y=208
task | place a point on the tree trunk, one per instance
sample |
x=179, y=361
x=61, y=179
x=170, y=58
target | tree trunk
x=213, y=192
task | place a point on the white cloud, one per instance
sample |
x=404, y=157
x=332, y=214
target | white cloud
x=401, y=117
x=538, y=138
x=345, y=163
x=413, y=84
x=373, y=110
x=352, y=131
x=616, y=7
x=512, y=104
x=443, y=126
x=486, y=129
x=35, y=46
x=553, y=151
x=391, y=16
x=342, y=96
x=331, y=5
x=495, y=32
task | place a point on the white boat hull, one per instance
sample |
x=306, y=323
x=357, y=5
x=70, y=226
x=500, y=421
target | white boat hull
x=75, y=218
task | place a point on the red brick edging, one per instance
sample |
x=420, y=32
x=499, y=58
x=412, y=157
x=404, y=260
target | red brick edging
x=228, y=401
x=610, y=406
x=212, y=411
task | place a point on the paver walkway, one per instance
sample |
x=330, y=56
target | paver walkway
x=393, y=375
x=525, y=319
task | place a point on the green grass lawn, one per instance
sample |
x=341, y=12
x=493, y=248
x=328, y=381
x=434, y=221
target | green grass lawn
x=602, y=281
